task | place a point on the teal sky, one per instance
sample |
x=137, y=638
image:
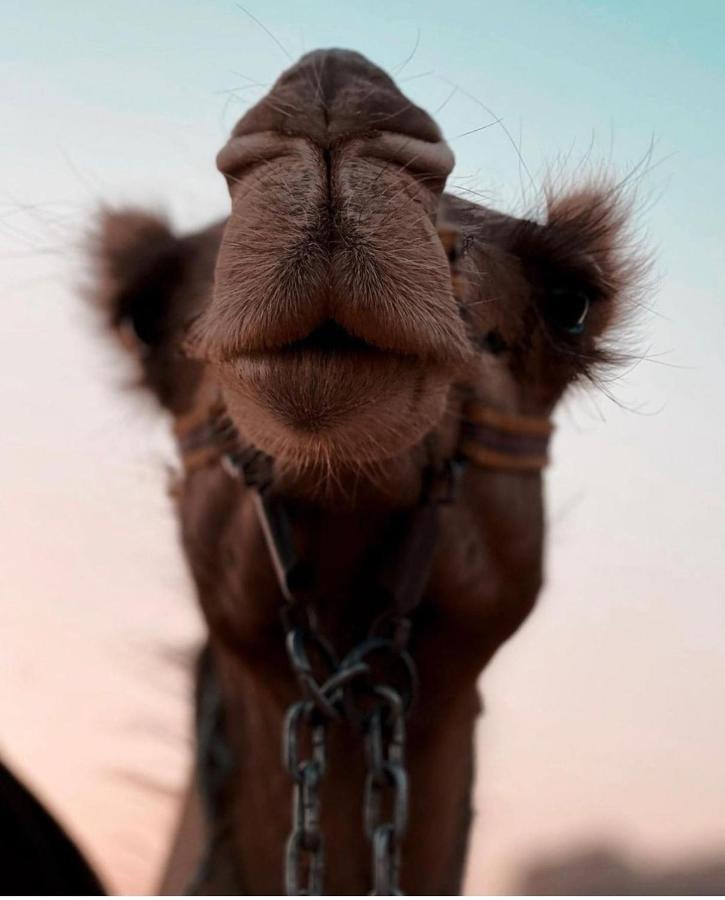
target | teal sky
x=606, y=712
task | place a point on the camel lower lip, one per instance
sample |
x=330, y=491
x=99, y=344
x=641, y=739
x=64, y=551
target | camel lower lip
x=315, y=360
x=317, y=389
x=355, y=405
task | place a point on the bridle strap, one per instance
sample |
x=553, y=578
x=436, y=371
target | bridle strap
x=215, y=439
x=506, y=441
x=489, y=439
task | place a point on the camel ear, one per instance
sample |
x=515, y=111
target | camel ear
x=140, y=267
x=589, y=232
x=586, y=275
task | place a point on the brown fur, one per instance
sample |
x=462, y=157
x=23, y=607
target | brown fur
x=345, y=310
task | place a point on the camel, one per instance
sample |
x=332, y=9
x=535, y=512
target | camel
x=361, y=371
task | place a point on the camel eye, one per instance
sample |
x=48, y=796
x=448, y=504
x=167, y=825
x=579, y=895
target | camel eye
x=567, y=309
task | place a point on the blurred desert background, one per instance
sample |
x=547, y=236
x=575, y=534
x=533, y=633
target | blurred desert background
x=600, y=757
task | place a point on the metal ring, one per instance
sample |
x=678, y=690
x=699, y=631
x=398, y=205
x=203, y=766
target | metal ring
x=296, y=639
x=407, y=690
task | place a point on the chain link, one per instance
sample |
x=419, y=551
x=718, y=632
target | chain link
x=386, y=789
x=305, y=858
x=386, y=862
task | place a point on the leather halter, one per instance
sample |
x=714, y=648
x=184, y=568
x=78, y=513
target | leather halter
x=489, y=439
x=506, y=441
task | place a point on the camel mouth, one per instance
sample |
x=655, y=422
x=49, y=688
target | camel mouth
x=328, y=341
x=330, y=337
x=333, y=393
x=313, y=378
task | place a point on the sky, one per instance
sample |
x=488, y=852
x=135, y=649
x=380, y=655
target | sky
x=605, y=714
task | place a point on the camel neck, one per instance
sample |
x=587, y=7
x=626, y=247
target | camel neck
x=250, y=819
x=249, y=825
x=475, y=598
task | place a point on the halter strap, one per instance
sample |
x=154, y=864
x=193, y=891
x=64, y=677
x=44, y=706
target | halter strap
x=489, y=439
x=506, y=441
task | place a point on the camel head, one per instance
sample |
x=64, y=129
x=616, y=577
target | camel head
x=348, y=306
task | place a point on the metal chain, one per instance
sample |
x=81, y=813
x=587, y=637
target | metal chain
x=372, y=689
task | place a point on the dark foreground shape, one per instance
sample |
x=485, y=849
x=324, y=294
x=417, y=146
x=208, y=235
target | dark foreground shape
x=36, y=855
